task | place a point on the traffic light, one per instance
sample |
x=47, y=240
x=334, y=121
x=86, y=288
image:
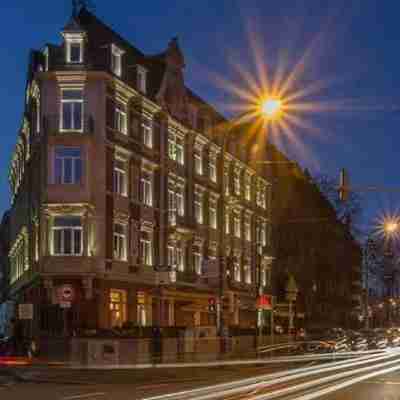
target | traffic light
x=212, y=305
x=344, y=185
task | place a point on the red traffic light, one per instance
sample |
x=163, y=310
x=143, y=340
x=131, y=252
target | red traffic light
x=211, y=301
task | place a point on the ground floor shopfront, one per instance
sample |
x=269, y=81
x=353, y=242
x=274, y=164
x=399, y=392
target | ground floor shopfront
x=100, y=304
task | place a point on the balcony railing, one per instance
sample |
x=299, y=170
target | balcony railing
x=51, y=125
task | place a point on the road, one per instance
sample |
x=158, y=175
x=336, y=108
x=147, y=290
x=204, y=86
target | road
x=368, y=376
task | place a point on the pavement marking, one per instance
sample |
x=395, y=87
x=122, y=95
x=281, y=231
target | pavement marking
x=83, y=396
x=382, y=381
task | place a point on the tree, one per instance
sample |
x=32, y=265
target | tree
x=348, y=212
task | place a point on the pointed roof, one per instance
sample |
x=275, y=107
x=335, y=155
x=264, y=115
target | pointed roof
x=73, y=26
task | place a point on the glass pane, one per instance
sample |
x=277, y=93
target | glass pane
x=78, y=171
x=58, y=169
x=72, y=94
x=57, y=241
x=77, y=115
x=67, y=170
x=118, y=228
x=75, y=52
x=67, y=241
x=62, y=151
x=67, y=221
x=67, y=115
x=77, y=242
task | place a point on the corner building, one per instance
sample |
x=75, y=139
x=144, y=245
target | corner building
x=117, y=171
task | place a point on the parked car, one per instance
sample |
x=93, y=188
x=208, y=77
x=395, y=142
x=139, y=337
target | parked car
x=358, y=341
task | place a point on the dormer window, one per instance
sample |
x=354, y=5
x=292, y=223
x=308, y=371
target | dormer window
x=141, y=79
x=74, y=49
x=116, y=60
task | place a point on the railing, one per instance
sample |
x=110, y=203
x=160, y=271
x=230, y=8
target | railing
x=51, y=125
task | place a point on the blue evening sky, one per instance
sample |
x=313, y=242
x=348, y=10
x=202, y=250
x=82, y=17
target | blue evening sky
x=352, y=50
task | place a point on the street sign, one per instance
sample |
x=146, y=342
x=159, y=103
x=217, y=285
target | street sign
x=65, y=293
x=25, y=311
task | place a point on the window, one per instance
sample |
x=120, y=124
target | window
x=116, y=60
x=68, y=165
x=236, y=183
x=176, y=149
x=146, y=188
x=74, y=51
x=67, y=236
x=120, y=242
x=71, y=110
x=247, y=187
x=237, y=273
x=120, y=181
x=247, y=230
x=265, y=276
x=213, y=167
x=147, y=125
x=118, y=314
x=141, y=79
x=198, y=207
x=247, y=273
x=180, y=258
x=120, y=119
x=179, y=152
x=141, y=309
x=227, y=224
x=171, y=207
x=171, y=256
x=264, y=234
x=213, y=215
x=145, y=251
x=197, y=262
x=180, y=200
x=226, y=182
x=19, y=256
x=198, y=164
x=236, y=225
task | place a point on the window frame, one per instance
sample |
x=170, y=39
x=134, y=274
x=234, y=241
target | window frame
x=73, y=102
x=62, y=229
x=237, y=225
x=198, y=163
x=147, y=131
x=146, y=253
x=121, y=119
x=198, y=208
x=121, y=253
x=120, y=179
x=116, y=60
x=69, y=43
x=146, y=188
x=197, y=262
x=60, y=176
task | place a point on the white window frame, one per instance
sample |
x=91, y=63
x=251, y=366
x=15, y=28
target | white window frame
x=121, y=240
x=247, y=229
x=197, y=262
x=146, y=251
x=63, y=159
x=73, y=102
x=198, y=163
x=236, y=225
x=237, y=273
x=141, y=78
x=121, y=119
x=247, y=273
x=116, y=60
x=120, y=180
x=73, y=41
x=73, y=229
x=147, y=127
x=146, y=188
x=213, y=215
x=236, y=183
x=172, y=207
x=213, y=168
x=198, y=208
x=180, y=199
x=180, y=258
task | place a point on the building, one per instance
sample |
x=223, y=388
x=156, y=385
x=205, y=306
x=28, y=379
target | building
x=118, y=172
x=314, y=246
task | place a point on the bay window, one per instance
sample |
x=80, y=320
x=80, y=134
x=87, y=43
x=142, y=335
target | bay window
x=67, y=236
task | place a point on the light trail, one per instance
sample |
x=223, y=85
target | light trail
x=249, y=384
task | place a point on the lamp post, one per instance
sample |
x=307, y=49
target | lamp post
x=269, y=108
x=291, y=296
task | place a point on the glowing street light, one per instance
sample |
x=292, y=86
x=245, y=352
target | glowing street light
x=390, y=227
x=271, y=107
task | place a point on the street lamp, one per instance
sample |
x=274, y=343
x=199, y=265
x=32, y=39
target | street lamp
x=291, y=296
x=272, y=107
